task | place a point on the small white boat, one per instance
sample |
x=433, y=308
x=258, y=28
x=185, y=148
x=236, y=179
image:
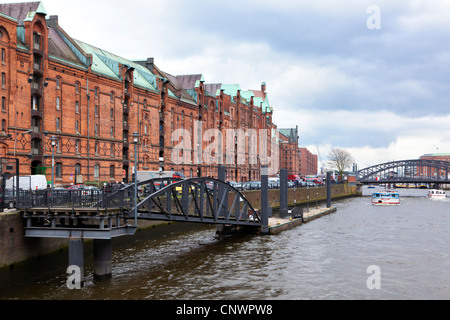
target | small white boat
x=386, y=198
x=437, y=194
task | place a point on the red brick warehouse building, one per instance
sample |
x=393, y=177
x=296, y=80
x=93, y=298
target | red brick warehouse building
x=297, y=160
x=92, y=101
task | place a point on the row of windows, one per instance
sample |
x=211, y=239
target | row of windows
x=59, y=170
x=77, y=146
x=96, y=91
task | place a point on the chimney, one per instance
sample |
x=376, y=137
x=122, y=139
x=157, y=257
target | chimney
x=263, y=89
x=52, y=20
x=149, y=64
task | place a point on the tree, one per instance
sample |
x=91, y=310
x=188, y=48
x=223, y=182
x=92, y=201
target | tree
x=340, y=159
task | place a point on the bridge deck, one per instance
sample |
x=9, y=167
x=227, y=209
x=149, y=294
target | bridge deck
x=68, y=211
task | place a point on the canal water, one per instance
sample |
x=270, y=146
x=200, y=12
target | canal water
x=328, y=258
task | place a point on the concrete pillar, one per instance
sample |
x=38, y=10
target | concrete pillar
x=328, y=189
x=283, y=189
x=264, y=199
x=76, y=255
x=102, y=259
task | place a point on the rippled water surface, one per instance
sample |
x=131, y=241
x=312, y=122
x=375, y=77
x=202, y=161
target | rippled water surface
x=324, y=259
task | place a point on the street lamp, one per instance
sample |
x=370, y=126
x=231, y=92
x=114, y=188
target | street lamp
x=135, y=142
x=53, y=140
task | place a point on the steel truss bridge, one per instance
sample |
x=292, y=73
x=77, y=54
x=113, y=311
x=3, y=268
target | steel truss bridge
x=419, y=171
x=100, y=215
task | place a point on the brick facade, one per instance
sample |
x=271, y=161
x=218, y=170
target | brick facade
x=92, y=102
x=298, y=161
x=425, y=171
x=308, y=163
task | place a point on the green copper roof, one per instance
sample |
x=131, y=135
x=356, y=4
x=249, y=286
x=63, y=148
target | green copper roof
x=231, y=89
x=41, y=9
x=247, y=94
x=98, y=64
x=106, y=63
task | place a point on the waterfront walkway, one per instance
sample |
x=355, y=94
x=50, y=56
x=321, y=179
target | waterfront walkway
x=278, y=225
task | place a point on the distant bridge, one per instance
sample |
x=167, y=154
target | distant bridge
x=406, y=171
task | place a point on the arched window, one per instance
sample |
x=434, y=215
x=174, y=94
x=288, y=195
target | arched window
x=77, y=169
x=112, y=170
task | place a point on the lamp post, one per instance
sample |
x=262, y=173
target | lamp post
x=53, y=140
x=135, y=142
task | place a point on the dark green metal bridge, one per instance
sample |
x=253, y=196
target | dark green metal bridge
x=418, y=171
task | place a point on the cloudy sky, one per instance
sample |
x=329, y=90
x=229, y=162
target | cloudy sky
x=368, y=76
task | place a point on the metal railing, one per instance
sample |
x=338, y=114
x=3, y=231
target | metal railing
x=76, y=199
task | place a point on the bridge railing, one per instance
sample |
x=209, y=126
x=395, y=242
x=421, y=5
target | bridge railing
x=62, y=199
x=195, y=199
x=198, y=200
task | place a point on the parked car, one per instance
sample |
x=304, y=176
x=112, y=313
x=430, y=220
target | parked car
x=92, y=188
x=256, y=185
x=246, y=186
x=77, y=187
x=238, y=186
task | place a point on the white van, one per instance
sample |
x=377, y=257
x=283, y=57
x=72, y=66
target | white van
x=36, y=182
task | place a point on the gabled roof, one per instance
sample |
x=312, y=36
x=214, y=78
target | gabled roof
x=58, y=48
x=213, y=88
x=291, y=133
x=190, y=81
x=20, y=11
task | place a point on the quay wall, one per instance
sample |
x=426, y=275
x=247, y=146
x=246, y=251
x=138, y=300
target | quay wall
x=301, y=196
x=15, y=248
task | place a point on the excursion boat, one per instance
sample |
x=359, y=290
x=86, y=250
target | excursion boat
x=437, y=194
x=386, y=198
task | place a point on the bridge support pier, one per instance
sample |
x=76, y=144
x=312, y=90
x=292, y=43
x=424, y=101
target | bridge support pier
x=102, y=259
x=76, y=255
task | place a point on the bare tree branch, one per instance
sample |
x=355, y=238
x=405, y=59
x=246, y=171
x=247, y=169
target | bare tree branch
x=340, y=159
